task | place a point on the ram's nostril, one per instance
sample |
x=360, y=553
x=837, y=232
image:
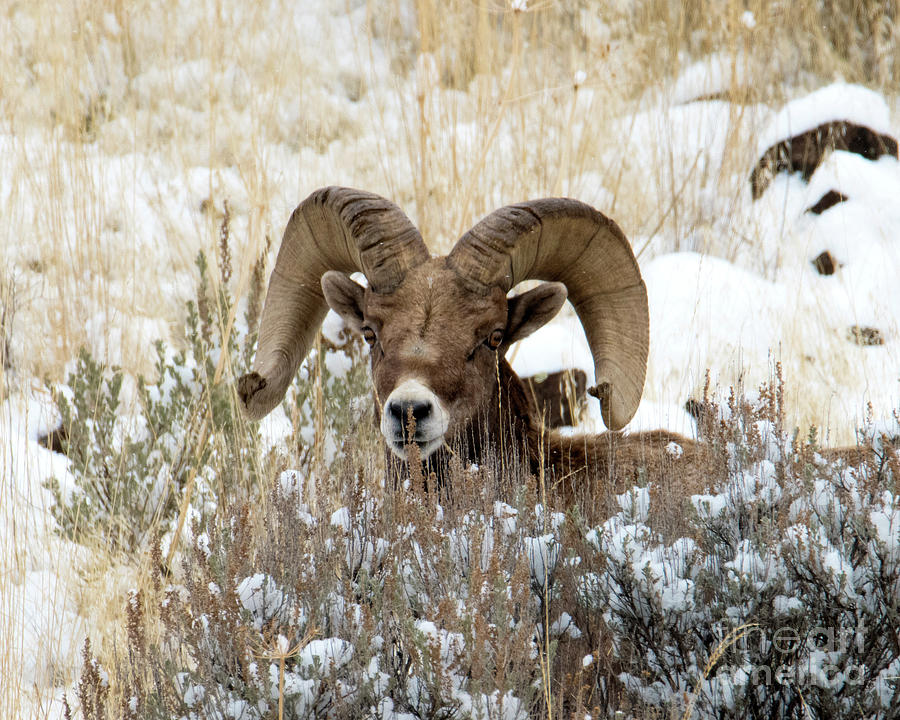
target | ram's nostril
x=418, y=410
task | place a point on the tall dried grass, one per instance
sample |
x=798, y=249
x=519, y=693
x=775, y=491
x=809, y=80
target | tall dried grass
x=117, y=117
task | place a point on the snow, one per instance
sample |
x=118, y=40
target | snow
x=710, y=76
x=126, y=216
x=707, y=313
x=635, y=504
x=507, y=516
x=260, y=595
x=194, y=695
x=737, y=315
x=275, y=429
x=338, y=363
x=674, y=449
x=709, y=506
x=887, y=523
x=341, y=518
x=42, y=625
x=557, y=346
x=323, y=655
x=542, y=553
x=786, y=605
x=564, y=625
x=838, y=101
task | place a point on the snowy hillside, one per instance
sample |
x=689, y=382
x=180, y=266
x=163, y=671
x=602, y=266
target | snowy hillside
x=131, y=136
x=739, y=309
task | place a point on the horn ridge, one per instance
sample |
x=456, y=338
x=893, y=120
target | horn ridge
x=335, y=228
x=568, y=241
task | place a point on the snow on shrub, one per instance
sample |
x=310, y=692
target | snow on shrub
x=807, y=569
x=778, y=596
x=137, y=467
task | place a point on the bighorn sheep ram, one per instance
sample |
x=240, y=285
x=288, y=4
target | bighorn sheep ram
x=439, y=327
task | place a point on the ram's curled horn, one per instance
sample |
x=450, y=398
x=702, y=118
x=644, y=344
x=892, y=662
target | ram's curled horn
x=335, y=228
x=566, y=241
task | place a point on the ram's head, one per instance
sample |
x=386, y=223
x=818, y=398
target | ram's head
x=438, y=326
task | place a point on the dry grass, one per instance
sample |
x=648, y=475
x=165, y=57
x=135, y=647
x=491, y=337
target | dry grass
x=540, y=93
x=126, y=127
x=393, y=558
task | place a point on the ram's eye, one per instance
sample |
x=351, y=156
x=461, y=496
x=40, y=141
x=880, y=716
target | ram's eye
x=494, y=339
x=368, y=335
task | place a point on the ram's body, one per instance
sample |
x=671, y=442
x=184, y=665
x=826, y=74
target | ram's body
x=584, y=470
x=439, y=328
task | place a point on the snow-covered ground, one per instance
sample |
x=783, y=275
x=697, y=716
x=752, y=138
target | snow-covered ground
x=42, y=629
x=758, y=299
x=739, y=311
x=99, y=238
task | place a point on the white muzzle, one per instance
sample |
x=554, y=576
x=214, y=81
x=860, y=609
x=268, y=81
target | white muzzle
x=413, y=406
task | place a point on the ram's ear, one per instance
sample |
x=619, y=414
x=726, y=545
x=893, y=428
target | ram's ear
x=345, y=297
x=533, y=309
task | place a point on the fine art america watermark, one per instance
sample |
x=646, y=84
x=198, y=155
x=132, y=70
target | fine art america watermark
x=821, y=656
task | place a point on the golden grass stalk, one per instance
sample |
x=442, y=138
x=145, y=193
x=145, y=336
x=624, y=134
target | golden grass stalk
x=730, y=639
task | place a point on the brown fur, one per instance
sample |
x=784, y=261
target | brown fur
x=435, y=328
x=559, y=396
x=582, y=471
x=588, y=470
x=429, y=327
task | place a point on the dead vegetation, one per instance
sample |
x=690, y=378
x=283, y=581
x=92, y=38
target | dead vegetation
x=493, y=595
x=88, y=83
